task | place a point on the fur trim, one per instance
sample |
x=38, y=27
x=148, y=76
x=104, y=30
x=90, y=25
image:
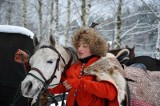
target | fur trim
x=97, y=44
x=105, y=70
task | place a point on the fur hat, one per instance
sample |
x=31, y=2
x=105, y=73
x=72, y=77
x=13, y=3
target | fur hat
x=90, y=36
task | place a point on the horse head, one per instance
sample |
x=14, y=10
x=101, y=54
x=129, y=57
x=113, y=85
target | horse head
x=47, y=64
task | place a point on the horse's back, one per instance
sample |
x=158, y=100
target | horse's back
x=151, y=64
x=143, y=87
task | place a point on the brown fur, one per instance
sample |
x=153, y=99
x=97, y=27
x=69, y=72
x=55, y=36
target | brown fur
x=98, y=45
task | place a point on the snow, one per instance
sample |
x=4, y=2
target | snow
x=16, y=29
x=59, y=103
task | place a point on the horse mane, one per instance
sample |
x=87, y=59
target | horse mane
x=74, y=57
x=72, y=52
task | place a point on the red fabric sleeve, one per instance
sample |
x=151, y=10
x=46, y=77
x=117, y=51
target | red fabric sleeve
x=58, y=89
x=103, y=89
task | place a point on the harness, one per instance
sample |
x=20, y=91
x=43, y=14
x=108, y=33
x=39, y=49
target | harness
x=47, y=82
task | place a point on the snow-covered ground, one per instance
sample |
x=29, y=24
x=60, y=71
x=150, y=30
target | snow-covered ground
x=59, y=103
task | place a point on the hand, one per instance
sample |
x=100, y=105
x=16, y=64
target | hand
x=21, y=56
x=67, y=85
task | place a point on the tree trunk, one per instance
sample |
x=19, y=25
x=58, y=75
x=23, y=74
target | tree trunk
x=158, y=42
x=83, y=16
x=9, y=12
x=85, y=8
x=68, y=22
x=57, y=15
x=88, y=6
x=40, y=18
x=24, y=11
x=51, y=18
x=118, y=25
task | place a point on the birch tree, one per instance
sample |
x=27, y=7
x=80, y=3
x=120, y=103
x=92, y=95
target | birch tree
x=158, y=40
x=158, y=37
x=40, y=17
x=86, y=5
x=9, y=6
x=51, y=17
x=24, y=12
x=57, y=15
x=68, y=21
x=118, y=25
x=56, y=20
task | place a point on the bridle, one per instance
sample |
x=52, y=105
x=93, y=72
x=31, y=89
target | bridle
x=47, y=82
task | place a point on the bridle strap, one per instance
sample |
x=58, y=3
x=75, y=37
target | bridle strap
x=36, y=77
x=54, y=49
x=47, y=82
x=53, y=74
x=37, y=70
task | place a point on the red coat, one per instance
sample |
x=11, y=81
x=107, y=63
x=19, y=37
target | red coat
x=86, y=90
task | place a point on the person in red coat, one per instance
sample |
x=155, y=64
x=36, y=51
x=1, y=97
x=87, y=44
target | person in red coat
x=85, y=90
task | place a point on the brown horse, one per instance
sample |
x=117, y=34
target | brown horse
x=148, y=62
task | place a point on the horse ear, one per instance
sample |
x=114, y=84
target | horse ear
x=35, y=41
x=52, y=40
x=133, y=47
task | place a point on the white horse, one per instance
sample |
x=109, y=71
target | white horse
x=47, y=64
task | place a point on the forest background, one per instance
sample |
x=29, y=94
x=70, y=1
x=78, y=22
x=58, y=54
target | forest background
x=121, y=22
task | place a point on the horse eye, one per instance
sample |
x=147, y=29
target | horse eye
x=50, y=61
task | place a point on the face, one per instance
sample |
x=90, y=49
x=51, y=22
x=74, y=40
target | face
x=83, y=50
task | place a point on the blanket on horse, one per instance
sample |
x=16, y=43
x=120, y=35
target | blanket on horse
x=143, y=88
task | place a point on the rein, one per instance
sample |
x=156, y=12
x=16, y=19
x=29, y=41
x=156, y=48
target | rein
x=47, y=82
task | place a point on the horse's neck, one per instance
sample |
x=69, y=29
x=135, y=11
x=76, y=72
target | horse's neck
x=73, y=54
